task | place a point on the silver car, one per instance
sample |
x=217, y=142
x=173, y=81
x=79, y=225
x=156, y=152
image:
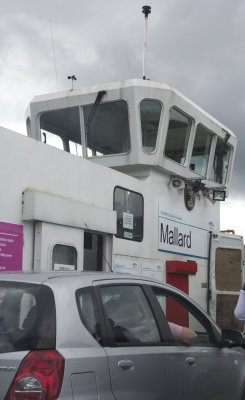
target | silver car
x=99, y=336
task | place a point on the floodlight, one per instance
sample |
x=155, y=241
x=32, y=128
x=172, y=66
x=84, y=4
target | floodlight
x=219, y=195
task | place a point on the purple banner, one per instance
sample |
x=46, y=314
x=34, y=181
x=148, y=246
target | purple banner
x=11, y=247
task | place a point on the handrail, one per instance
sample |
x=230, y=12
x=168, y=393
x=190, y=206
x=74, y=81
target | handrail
x=229, y=231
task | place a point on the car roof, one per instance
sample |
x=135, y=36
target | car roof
x=86, y=276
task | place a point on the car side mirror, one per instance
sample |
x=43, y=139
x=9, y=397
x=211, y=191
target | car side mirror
x=231, y=337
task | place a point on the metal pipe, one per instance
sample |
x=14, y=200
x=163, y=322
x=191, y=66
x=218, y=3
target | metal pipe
x=145, y=10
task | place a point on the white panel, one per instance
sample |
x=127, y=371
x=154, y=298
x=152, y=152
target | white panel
x=44, y=207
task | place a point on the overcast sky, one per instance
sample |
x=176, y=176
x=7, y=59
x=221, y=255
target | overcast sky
x=196, y=45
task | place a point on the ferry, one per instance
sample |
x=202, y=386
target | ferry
x=125, y=177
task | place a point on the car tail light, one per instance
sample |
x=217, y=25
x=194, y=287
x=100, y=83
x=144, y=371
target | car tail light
x=39, y=377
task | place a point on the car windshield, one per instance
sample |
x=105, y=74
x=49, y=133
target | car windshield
x=27, y=317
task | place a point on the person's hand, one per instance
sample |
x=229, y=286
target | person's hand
x=188, y=335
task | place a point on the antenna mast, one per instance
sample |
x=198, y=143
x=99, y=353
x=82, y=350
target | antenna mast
x=145, y=10
x=55, y=68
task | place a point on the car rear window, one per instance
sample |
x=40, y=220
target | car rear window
x=27, y=317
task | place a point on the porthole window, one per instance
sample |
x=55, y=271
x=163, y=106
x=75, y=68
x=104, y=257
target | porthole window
x=64, y=258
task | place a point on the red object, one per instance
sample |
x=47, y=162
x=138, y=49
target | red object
x=39, y=377
x=177, y=275
x=181, y=267
x=174, y=311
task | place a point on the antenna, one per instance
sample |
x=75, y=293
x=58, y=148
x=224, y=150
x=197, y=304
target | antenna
x=73, y=78
x=52, y=40
x=145, y=10
x=129, y=66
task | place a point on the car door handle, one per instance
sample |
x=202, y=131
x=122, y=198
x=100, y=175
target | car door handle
x=125, y=365
x=190, y=361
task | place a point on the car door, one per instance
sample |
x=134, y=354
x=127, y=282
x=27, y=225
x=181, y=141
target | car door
x=86, y=363
x=209, y=371
x=142, y=364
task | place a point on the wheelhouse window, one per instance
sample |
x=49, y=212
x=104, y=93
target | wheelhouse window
x=129, y=208
x=64, y=258
x=177, y=136
x=201, y=150
x=52, y=139
x=150, y=112
x=107, y=132
x=61, y=129
x=221, y=162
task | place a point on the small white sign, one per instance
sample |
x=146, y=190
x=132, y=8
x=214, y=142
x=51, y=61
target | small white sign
x=128, y=221
x=128, y=235
x=64, y=267
x=124, y=265
x=152, y=269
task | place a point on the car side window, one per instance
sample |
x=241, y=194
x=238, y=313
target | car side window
x=129, y=315
x=187, y=325
x=88, y=312
x=27, y=317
